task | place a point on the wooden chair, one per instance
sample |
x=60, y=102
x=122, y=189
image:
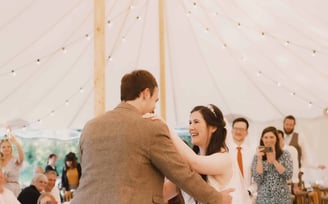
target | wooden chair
x=313, y=197
x=301, y=197
x=324, y=200
x=323, y=195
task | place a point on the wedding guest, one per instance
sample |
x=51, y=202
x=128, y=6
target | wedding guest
x=6, y=196
x=293, y=138
x=11, y=163
x=71, y=175
x=51, y=164
x=30, y=194
x=51, y=186
x=272, y=167
x=38, y=170
x=243, y=153
x=47, y=198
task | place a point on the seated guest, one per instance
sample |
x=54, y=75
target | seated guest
x=30, y=194
x=6, y=196
x=51, y=188
x=47, y=198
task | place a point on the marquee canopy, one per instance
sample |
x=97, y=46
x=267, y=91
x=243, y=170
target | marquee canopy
x=259, y=59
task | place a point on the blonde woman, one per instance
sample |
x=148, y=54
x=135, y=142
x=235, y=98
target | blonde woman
x=11, y=164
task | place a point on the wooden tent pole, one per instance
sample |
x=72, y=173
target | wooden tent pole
x=99, y=57
x=161, y=11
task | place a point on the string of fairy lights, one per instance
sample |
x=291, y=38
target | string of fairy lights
x=139, y=12
x=285, y=43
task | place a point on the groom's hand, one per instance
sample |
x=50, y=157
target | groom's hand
x=226, y=197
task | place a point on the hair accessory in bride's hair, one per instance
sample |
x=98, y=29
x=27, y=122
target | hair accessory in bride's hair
x=210, y=107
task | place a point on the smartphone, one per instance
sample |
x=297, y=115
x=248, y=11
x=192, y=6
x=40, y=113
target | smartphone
x=266, y=149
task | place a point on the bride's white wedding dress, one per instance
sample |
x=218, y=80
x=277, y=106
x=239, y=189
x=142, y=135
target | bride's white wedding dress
x=239, y=196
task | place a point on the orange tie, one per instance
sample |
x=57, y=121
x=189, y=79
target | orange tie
x=240, y=160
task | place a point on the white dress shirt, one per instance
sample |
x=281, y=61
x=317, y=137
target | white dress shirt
x=55, y=192
x=293, y=153
x=247, y=155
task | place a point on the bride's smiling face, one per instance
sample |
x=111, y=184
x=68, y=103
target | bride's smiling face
x=199, y=130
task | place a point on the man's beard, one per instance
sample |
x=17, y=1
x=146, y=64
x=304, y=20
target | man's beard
x=288, y=132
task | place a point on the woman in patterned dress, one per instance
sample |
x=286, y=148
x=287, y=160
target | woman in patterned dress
x=271, y=169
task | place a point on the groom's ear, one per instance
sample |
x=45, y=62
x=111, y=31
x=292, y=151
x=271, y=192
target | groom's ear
x=145, y=94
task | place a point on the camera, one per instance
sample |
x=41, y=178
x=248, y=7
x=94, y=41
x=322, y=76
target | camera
x=266, y=149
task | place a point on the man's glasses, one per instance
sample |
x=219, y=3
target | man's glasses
x=239, y=129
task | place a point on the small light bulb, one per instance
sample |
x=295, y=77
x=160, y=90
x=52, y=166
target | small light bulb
x=87, y=36
x=64, y=50
x=325, y=111
x=109, y=22
x=13, y=73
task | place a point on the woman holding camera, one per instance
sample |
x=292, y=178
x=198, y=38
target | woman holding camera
x=272, y=167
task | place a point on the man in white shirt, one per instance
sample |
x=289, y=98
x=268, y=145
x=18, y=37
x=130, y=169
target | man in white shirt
x=239, y=134
x=294, y=139
x=51, y=188
x=6, y=196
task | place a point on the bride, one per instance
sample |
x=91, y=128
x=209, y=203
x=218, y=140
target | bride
x=210, y=156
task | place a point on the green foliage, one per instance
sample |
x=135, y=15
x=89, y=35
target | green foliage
x=37, y=150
